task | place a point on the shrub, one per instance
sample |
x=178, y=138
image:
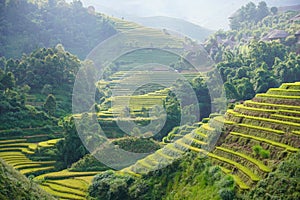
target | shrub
x=88, y=163
x=111, y=186
x=227, y=194
x=256, y=149
x=259, y=151
x=226, y=182
x=137, y=145
x=264, y=153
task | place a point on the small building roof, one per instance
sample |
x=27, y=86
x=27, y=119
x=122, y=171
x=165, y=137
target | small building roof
x=278, y=34
x=234, y=15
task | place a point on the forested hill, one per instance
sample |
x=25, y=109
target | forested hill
x=26, y=26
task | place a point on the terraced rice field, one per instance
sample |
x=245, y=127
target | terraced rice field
x=123, y=85
x=62, y=184
x=65, y=184
x=123, y=25
x=16, y=153
x=194, y=140
x=270, y=120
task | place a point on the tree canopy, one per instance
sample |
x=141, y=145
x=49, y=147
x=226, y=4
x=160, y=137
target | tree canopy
x=24, y=26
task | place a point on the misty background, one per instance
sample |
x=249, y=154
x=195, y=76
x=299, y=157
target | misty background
x=211, y=14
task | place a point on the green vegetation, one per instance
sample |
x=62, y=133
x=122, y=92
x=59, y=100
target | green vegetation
x=273, y=106
x=72, y=183
x=262, y=129
x=258, y=137
x=57, y=187
x=38, y=170
x=283, y=183
x=207, y=182
x=258, y=150
x=237, y=179
x=71, y=148
x=28, y=76
x=48, y=143
x=249, y=59
x=61, y=194
x=57, y=22
x=64, y=174
x=88, y=163
x=21, y=154
x=249, y=14
x=137, y=145
x=50, y=104
x=247, y=160
x=240, y=155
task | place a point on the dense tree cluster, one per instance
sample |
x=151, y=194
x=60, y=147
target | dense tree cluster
x=14, y=113
x=181, y=104
x=12, y=98
x=25, y=26
x=88, y=163
x=42, y=73
x=44, y=69
x=50, y=104
x=71, y=149
x=247, y=59
x=266, y=65
x=249, y=13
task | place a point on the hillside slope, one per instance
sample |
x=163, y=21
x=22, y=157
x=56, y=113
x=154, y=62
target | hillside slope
x=179, y=25
x=260, y=133
x=283, y=183
x=256, y=137
x=14, y=185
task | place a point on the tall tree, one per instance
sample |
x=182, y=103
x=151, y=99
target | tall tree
x=262, y=11
x=8, y=80
x=50, y=104
x=274, y=10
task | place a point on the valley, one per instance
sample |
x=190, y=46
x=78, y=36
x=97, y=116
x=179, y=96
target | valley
x=124, y=111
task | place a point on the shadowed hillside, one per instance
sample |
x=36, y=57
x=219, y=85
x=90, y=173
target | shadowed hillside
x=13, y=185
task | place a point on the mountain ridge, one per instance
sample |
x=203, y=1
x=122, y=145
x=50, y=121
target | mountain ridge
x=181, y=26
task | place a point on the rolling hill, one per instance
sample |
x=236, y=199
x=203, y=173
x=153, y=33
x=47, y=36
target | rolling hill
x=256, y=137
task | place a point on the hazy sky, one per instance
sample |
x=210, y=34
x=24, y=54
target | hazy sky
x=208, y=13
